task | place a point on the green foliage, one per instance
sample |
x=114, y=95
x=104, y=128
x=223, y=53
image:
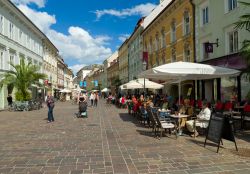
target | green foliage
x=244, y=23
x=22, y=77
x=26, y=96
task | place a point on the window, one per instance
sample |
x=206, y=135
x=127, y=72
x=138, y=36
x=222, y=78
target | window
x=187, y=53
x=1, y=59
x=1, y=24
x=11, y=30
x=163, y=38
x=173, y=31
x=205, y=14
x=186, y=23
x=233, y=41
x=28, y=41
x=11, y=61
x=163, y=58
x=150, y=46
x=232, y=4
x=173, y=55
x=157, y=42
x=20, y=36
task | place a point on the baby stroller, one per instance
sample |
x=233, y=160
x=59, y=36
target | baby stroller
x=83, y=109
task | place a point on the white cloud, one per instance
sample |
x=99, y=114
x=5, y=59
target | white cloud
x=39, y=3
x=78, y=44
x=42, y=19
x=123, y=37
x=142, y=10
x=76, y=67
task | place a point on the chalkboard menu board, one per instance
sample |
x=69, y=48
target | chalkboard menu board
x=215, y=128
x=220, y=127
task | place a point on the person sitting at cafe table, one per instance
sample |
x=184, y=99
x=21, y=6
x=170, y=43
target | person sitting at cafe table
x=202, y=120
x=165, y=105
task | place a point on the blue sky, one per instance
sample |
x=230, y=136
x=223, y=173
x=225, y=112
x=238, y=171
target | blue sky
x=86, y=32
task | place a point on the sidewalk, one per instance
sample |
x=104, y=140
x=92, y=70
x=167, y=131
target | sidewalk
x=108, y=141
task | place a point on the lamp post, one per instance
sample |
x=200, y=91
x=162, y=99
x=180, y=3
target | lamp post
x=144, y=66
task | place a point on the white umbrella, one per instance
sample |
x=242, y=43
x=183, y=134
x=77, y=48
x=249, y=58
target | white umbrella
x=131, y=85
x=105, y=90
x=139, y=84
x=149, y=84
x=187, y=71
x=65, y=91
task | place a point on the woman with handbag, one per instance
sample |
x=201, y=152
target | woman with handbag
x=51, y=104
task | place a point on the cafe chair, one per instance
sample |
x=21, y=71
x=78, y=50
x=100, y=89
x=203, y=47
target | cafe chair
x=246, y=116
x=219, y=107
x=168, y=124
x=143, y=116
x=152, y=121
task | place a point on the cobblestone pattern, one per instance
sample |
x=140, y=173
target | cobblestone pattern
x=108, y=141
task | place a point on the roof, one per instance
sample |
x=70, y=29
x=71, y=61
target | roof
x=155, y=13
x=29, y=21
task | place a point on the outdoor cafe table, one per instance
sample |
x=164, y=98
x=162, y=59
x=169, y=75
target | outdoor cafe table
x=179, y=117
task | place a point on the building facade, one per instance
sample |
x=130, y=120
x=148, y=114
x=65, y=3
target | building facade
x=19, y=38
x=50, y=64
x=135, y=51
x=218, y=43
x=123, y=62
x=169, y=37
x=106, y=65
x=113, y=76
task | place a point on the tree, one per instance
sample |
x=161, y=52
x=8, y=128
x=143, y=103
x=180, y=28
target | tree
x=244, y=23
x=22, y=77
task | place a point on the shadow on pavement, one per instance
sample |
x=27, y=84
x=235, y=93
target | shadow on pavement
x=243, y=135
x=129, y=118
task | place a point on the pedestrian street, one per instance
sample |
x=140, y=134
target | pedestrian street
x=108, y=141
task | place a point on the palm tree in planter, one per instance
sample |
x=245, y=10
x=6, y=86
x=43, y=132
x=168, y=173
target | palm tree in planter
x=22, y=77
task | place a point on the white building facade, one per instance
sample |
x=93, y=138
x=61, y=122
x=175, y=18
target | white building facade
x=19, y=38
x=50, y=64
x=218, y=43
x=135, y=52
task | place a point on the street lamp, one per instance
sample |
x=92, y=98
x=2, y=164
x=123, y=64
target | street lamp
x=144, y=66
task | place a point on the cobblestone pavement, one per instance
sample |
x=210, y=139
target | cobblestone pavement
x=108, y=141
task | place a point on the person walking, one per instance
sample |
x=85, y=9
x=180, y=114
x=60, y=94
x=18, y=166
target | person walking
x=92, y=99
x=96, y=96
x=51, y=104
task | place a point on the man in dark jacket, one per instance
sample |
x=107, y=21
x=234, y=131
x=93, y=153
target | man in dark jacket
x=51, y=104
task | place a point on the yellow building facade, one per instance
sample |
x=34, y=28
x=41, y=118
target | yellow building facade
x=169, y=37
x=123, y=62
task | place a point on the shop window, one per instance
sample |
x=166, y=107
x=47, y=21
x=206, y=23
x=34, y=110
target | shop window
x=228, y=88
x=245, y=87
